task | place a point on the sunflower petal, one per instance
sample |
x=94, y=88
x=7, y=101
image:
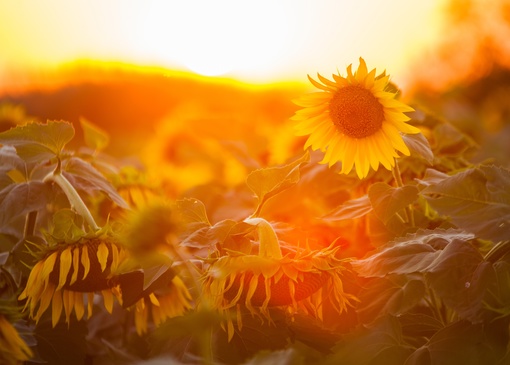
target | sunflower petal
x=56, y=309
x=319, y=85
x=361, y=74
x=108, y=300
x=85, y=261
x=76, y=265
x=66, y=260
x=102, y=255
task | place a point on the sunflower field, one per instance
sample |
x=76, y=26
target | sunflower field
x=353, y=226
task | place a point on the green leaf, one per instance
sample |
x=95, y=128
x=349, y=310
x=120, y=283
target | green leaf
x=393, y=294
x=66, y=225
x=477, y=200
x=95, y=138
x=37, y=142
x=192, y=214
x=460, y=343
x=388, y=201
x=268, y=182
x=83, y=176
x=419, y=146
x=9, y=161
x=20, y=199
x=351, y=209
x=380, y=343
x=231, y=236
x=407, y=255
x=460, y=278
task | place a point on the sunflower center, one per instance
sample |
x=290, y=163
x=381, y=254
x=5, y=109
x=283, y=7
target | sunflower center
x=356, y=112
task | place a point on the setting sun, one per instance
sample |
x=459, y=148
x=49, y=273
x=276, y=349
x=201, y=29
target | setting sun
x=253, y=41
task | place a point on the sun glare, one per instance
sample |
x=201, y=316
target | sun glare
x=225, y=36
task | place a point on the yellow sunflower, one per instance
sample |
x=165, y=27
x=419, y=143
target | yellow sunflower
x=355, y=119
x=173, y=302
x=68, y=275
x=13, y=350
x=297, y=281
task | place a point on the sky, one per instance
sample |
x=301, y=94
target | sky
x=254, y=41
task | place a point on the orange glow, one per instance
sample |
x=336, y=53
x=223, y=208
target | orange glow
x=260, y=42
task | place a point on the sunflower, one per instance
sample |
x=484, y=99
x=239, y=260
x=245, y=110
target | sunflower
x=68, y=275
x=13, y=350
x=297, y=281
x=355, y=119
x=172, y=302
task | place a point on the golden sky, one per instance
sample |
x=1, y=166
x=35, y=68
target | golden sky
x=254, y=41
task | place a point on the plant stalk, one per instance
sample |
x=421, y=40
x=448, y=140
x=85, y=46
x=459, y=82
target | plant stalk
x=72, y=195
x=268, y=241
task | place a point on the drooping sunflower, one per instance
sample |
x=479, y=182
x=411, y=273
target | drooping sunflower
x=299, y=281
x=355, y=119
x=13, y=350
x=174, y=301
x=69, y=274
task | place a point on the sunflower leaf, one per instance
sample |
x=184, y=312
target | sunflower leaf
x=83, y=176
x=191, y=214
x=22, y=198
x=268, y=182
x=459, y=343
x=381, y=342
x=388, y=201
x=393, y=294
x=419, y=146
x=95, y=138
x=410, y=254
x=37, y=142
x=472, y=194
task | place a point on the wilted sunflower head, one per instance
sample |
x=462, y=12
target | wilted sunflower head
x=68, y=274
x=172, y=301
x=13, y=350
x=355, y=119
x=300, y=280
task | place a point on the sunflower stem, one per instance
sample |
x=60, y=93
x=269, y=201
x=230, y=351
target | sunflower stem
x=72, y=195
x=268, y=241
x=408, y=212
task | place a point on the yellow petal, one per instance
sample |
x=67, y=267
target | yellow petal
x=76, y=265
x=153, y=299
x=108, y=300
x=85, y=261
x=49, y=264
x=56, y=308
x=66, y=261
x=45, y=300
x=102, y=255
x=349, y=155
x=78, y=305
x=90, y=304
x=361, y=74
x=319, y=85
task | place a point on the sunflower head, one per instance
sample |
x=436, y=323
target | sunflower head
x=13, y=350
x=172, y=301
x=68, y=274
x=355, y=119
x=299, y=280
